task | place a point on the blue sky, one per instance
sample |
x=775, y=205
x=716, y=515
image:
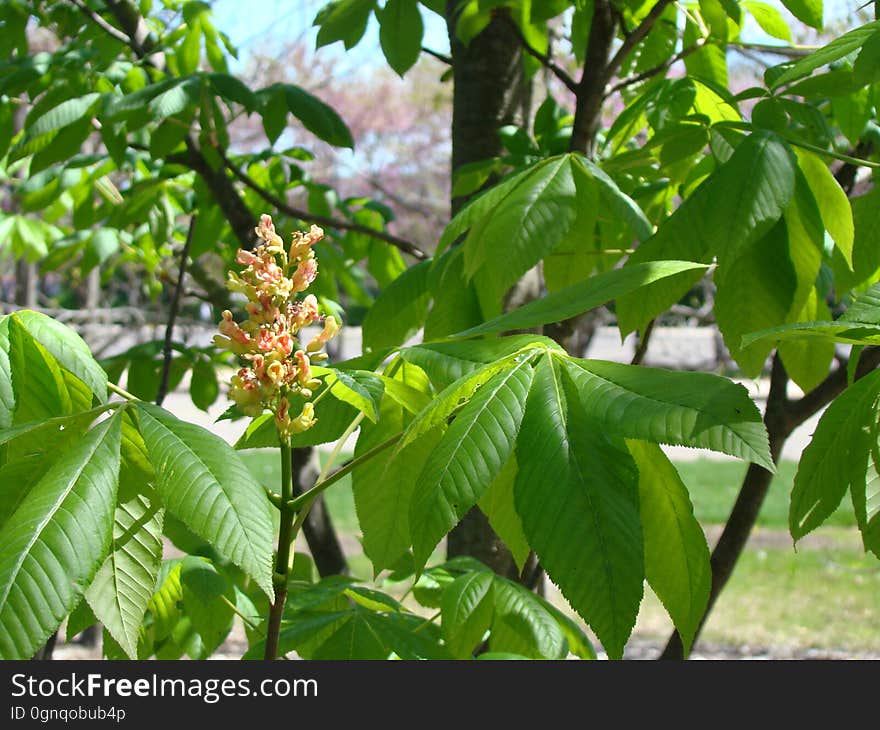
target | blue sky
x=256, y=24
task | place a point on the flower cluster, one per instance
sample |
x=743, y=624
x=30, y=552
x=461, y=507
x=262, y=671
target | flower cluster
x=276, y=366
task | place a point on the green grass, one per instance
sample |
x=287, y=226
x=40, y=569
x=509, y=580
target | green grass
x=714, y=485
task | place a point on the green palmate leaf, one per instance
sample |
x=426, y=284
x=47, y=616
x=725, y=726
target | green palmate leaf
x=807, y=361
x=7, y=394
x=523, y=625
x=456, y=304
x=468, y=458
x=866, y=253
x=56, y=539
x=578, y=642
x=836, y=49
x=39, y=385
x=833, y=204
x=466, y=612
x=176, y=99
x=400, y=33
x=523, y=221
x=456, y=394
x=399, y=310
x=754, y=291
x=320, y=119
x=732, y=209
x=233, y=89
x=446, y=362
x=359, y=388
x=676, y=553
x=204, y=483
x=383, y=486
x=826, y=468
x=68, y=348
x=847, y=333
x=866, y=307
x=809, y=11
x=769, y=18
x=343, y=20
x=576, y=492
x=203, y=589
x=586, y=295
x=41, y=131
x=669, y=407
x=204, y=388
x=123, y=586
x=497, y=503
x=866, y=496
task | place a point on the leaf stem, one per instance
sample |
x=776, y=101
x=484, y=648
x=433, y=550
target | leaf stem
x=304, y=500
x=243, y=616
x=119, y=391
x=282, y=561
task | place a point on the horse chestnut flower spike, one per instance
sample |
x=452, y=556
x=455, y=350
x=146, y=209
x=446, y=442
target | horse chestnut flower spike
x=274, y=364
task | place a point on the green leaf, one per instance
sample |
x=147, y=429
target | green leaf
x=7, y=393
x=466, y=612
x=204, y=483
x=676, y=553
x=400, y=34
x=672, y=407
x=273, y=110
x=731, y=210
x=445, y=362
x=834, y=206
x=866, y=253
x=866, y=68
x=523, y=625
x=233, y=89
x=457, y=393
x=123, y=585
x=68, y=348
x=833, y=51
x=203, y=387
x=468, y=458
x=176, y=99
x=865, y=490
x=202, y=591
x=808, y=11
x=584, y=296
x=343, y=20
x=807, y=362
x=769, y=19
x=399, y=310
x=56, y=540
x=189, y=51
x=383, y=486
x=320, y=119
x=524, y=227
x=825, y=470
x=578, y=642
x=576, y=492
x=497, y=503
x=847, y=333
x=42, y=130
x=359, y=388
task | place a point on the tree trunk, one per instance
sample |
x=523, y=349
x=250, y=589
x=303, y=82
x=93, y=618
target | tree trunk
x=490, y=90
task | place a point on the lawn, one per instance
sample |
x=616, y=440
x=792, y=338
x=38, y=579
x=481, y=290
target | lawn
x=822, y=596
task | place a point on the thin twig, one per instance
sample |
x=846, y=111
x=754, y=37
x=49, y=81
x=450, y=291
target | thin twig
x=545, y=59
x=787, y=51
x=172, y=314
x=644, y=341
x=405, y=246
x=110, y=30
x=659, y=68
x=634, y=38
x=439, y=56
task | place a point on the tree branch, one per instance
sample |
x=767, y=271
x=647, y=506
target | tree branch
x=658, y=69
x=278, y=203
x=439, y=56
x=634, y=38
x=172, y=313
x=110, y=30
x=559, y=72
